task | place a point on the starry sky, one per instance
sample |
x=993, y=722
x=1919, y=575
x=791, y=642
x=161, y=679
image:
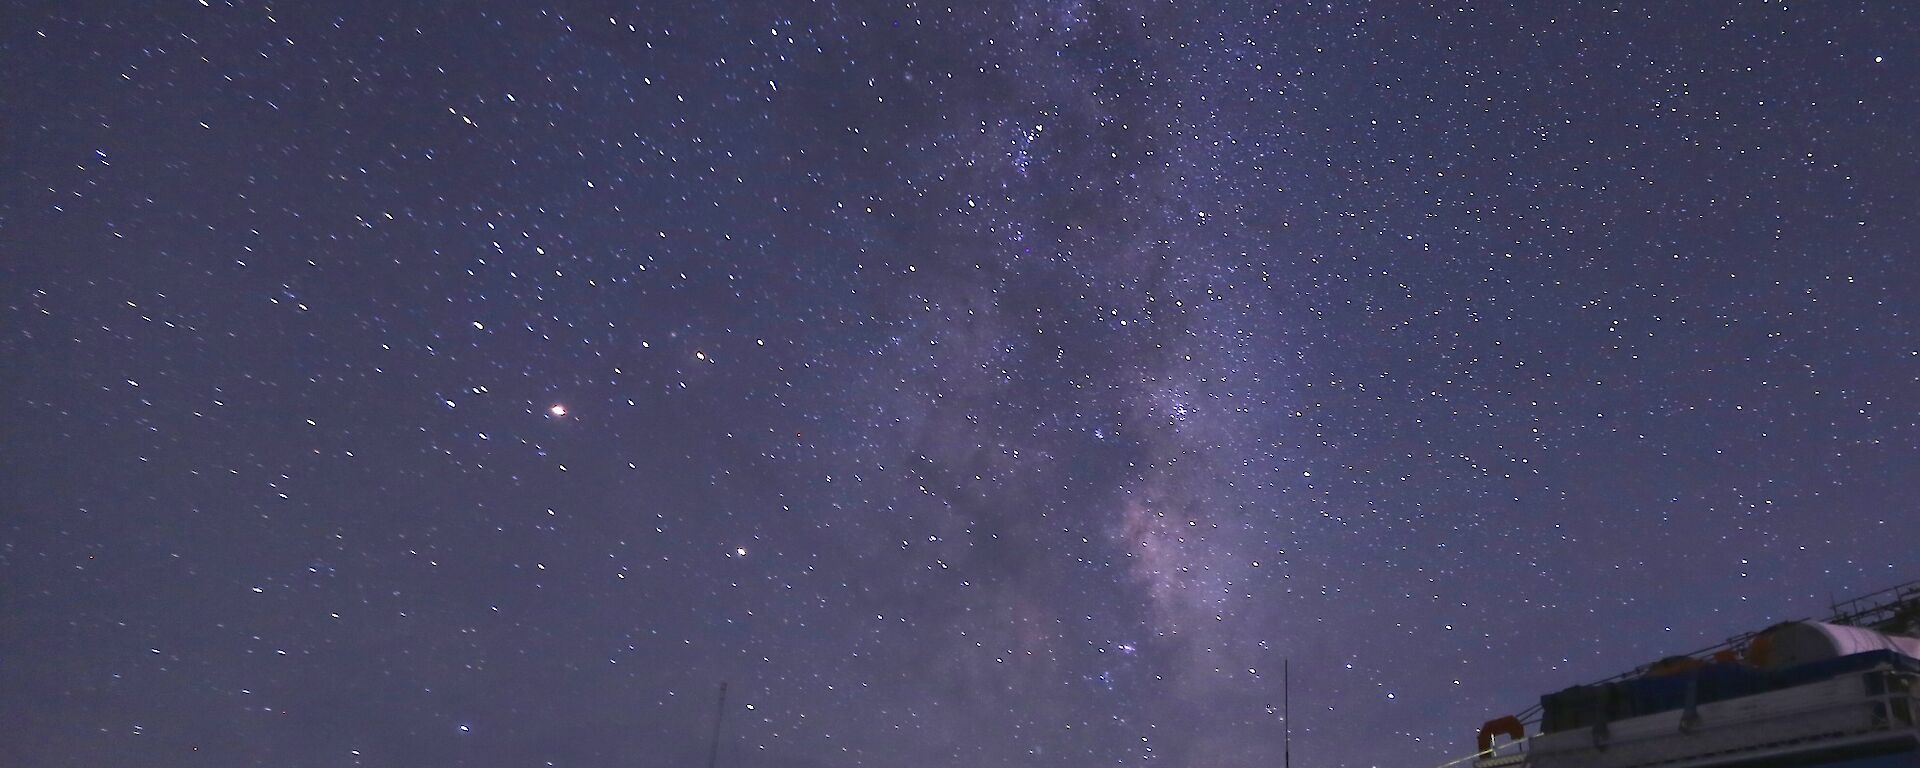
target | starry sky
x=984, y=384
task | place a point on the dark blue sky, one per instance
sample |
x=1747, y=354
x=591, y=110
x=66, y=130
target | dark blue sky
x=997, y=384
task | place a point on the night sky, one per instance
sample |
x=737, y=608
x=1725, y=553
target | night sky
x=983, y=384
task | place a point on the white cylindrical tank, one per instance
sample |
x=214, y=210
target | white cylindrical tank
x=1808, y=641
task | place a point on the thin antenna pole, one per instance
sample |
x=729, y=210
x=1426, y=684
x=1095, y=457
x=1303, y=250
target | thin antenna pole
x=1286, y=711
x=719, y=716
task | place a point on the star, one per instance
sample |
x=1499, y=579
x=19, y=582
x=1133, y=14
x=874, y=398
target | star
x=1083, y=357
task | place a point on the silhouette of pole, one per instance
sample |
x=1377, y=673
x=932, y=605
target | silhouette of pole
x=1286, y=712
x=719, y=716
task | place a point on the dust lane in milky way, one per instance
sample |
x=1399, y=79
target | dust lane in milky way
x=986, y=384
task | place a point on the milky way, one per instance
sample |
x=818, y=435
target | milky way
x=987, y=384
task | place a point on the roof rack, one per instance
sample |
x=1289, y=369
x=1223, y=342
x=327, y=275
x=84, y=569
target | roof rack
x=1894, y=610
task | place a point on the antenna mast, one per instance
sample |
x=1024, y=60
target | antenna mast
x=1286, y=711
x=719, y=716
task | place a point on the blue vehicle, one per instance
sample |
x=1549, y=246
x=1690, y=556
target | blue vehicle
x=1838, y=693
